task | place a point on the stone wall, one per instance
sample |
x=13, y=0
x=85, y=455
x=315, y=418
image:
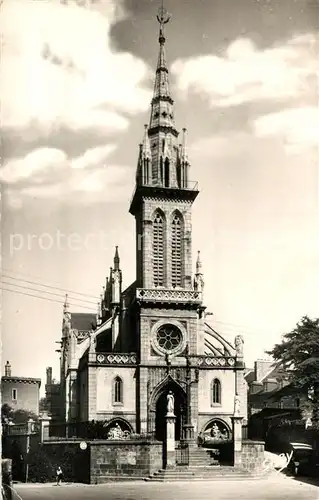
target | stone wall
x=27, y=393
x=68, y=455
x=117, y=459
x=252, y=455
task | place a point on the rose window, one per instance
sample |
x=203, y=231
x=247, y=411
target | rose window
x=169, y=337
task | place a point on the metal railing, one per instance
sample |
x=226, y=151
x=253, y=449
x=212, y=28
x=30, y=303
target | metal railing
x=182, y=453
x=149, y=183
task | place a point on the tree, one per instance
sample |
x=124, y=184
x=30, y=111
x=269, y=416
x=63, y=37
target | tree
x=16, y=416
x=43, y=405
x=299, y=355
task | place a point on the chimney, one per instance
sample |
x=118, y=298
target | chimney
x=49, y=375
x=7, y=369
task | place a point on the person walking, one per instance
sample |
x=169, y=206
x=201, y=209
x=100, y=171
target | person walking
x=59, y=476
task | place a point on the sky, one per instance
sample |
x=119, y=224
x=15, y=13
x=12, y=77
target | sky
x=76, y=85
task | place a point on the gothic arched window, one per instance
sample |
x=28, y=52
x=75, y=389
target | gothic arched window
x=177, y=249
x=216, y=392
x=158, y=249
x=118, y=390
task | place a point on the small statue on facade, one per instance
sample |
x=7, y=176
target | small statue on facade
x=216, y=434
x=170, y=403
x=115, y=432
x=239, y=345
x=236, y=406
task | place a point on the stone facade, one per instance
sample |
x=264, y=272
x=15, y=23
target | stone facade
x=123, y=458
x=252, y=456
x=152, y=337
x=20, y=393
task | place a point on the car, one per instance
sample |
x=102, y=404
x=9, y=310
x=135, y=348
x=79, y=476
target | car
x=303, y=460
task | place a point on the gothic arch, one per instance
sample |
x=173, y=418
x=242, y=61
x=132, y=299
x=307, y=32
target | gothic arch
x=158, y=407
x=120, y=420
x=218, y=420
x=159, y=211
x=158, y=390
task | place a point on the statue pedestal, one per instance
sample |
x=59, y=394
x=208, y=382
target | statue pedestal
x=237, y=439
x=170, y=453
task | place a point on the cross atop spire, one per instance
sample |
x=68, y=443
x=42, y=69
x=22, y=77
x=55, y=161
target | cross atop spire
x=163, y=18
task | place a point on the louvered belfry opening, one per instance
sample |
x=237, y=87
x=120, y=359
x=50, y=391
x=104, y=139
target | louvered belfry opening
x=158, y=249
x=177, y=249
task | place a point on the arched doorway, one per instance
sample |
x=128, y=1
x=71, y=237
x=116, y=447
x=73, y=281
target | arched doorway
x=161, y=410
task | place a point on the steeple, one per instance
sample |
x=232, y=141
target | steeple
x=162, y=114
x=116, y=259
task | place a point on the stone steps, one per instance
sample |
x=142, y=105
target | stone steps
x=221, y=473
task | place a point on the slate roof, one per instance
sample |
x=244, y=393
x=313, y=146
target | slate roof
x=84, y=322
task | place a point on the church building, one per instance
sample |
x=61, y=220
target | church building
x=151, y=339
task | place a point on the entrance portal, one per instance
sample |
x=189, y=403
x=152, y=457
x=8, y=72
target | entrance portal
x=161, y=411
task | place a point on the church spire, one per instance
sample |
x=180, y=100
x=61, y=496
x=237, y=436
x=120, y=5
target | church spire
x=162, y=115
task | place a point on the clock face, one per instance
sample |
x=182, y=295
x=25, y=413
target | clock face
x=169, y=338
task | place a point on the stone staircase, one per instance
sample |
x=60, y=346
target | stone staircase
x=201, y=473
x=201, y=466
x=200, y=457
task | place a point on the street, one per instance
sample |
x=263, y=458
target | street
x=274, y=488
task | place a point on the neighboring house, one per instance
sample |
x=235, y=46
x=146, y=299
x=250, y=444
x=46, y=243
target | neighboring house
x=152, y=337
x=270, y=397
x=20, y=393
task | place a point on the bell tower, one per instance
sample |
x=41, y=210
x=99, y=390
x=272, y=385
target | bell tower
x=163, y=196
x=167, y=304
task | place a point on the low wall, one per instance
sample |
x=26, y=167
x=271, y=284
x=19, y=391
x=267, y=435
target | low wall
x=252, y=455
x=101, y=461
x=43, y=460
x=120, y=459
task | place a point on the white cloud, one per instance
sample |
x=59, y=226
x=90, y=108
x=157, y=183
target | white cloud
x=298, y=127
x=48, y=173
x=248, y=74
x=58, y=67
x=37, y=162
x=93, y=156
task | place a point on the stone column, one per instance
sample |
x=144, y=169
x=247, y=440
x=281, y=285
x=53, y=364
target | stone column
x=44, y=427
x=170, y=453
x=237, y=439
